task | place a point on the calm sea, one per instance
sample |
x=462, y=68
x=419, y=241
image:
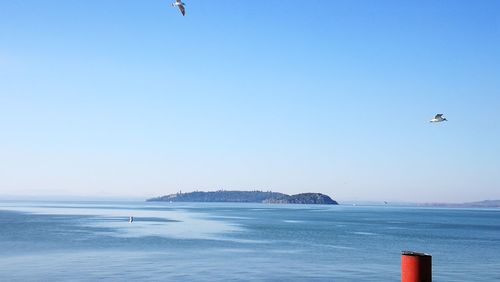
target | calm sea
x=90, y=241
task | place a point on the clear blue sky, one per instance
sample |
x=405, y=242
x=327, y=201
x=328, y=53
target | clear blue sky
x=129, y=98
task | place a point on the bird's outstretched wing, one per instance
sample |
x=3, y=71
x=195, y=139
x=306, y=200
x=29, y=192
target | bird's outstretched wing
x=438, y=116
x=182, y=9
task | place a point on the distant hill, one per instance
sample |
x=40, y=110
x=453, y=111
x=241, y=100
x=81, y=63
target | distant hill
x=247, y=197
x=304, y=198
x=481, y=204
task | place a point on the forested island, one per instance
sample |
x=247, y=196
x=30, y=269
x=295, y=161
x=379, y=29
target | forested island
x=247, y=197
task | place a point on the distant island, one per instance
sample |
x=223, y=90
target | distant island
x=481, y=204
x=247, y=197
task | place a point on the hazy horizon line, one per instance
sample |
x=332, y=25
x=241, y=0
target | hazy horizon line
x=10, y=197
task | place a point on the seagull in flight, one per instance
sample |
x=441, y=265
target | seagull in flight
x=438, y=118
x=180, y=5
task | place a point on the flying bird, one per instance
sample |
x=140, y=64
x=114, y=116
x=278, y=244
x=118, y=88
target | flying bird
x=438, y=118
x=180, y=5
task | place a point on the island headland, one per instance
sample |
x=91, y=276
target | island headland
x=268, y=197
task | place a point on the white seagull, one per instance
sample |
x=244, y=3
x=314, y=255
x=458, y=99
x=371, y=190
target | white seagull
x=180, y=5
x=438, y=118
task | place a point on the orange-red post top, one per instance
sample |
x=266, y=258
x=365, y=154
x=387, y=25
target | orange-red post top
x=416, y=267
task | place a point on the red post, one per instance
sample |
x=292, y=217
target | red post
x=416, y=267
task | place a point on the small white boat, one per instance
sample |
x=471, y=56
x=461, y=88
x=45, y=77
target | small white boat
x=131, y=219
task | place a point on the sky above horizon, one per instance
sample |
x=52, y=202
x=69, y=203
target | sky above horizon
x=129, y=98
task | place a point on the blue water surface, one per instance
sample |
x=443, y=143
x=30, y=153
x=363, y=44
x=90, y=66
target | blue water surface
x=90, y=241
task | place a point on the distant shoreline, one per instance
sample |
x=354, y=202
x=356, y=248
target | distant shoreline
x=480, y=204
x=489, y=204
